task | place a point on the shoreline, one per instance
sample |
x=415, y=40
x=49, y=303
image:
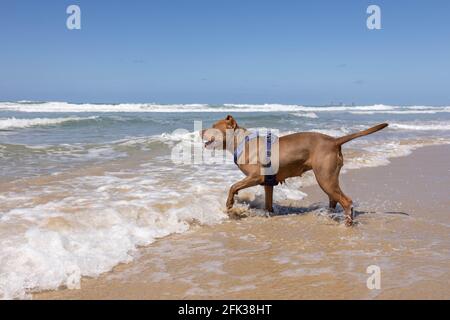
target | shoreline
x=310, y=254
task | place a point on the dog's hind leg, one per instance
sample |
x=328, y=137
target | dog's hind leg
x=327, y=176
x=269, y=198
x=347, y=204
x=334, y=192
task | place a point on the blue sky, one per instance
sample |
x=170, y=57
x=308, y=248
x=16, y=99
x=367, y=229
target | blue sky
x=226, y=51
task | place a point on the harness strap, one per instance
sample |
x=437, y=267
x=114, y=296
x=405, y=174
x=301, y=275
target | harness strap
x=269, y=179
x=268, y=163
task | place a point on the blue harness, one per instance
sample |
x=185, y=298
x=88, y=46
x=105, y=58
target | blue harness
x=269, y=179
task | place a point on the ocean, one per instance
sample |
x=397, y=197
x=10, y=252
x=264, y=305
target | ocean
x=84, y=186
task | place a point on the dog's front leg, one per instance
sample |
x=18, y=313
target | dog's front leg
x=247, y=182
x=269, y=198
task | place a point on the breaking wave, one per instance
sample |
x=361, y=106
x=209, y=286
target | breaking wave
x=13, y=123
x=438, y=126
x=154, y=107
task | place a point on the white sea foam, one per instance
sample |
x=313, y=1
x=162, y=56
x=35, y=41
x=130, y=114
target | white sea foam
x=406, y=111
x=282, y=107
x=144, y=107
x=179, y=135
x=418, y=126
x=154, y=107
x=13, y=123
x=332, y=132
x=92, y=223
x=401, y=110
x=379, y=153
x=310, y=115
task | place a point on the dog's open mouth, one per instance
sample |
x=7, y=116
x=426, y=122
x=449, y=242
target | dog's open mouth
x=209, y=142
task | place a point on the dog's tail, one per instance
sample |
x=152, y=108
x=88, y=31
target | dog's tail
x=340, y=141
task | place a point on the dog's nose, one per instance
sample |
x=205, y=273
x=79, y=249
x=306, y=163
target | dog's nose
x=202, y=132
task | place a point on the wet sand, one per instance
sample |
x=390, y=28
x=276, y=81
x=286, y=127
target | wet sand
x=403, y=224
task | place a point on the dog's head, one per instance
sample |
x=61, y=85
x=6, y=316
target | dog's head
x=216, y=136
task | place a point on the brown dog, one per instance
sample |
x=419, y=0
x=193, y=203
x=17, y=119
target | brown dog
x=296, y=154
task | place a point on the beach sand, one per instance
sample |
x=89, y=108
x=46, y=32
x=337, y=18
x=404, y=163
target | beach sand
x=403, y=224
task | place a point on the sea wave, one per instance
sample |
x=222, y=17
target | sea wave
x=155, y=107
x=376, y=154
x=14, y=123
x=310, y=115
x=400, y=112
x=282, y=107
x=437, y=126
x=101, y=224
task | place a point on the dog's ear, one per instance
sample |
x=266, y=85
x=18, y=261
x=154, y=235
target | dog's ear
x=231, y=123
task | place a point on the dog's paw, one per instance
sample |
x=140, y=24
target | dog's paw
x=237, y=213
x=348, y=222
